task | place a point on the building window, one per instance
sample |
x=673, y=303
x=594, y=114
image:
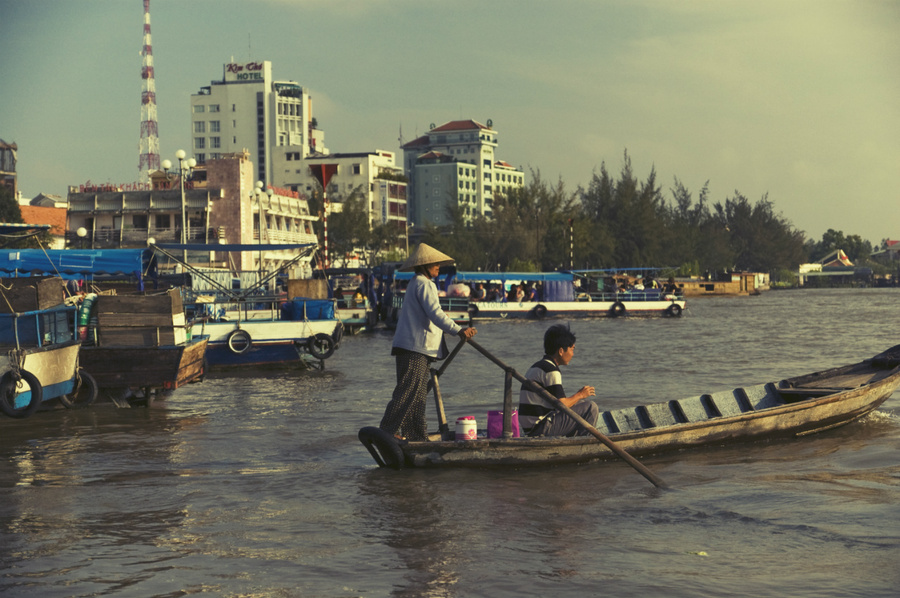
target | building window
x=214, y=126
x=200, y=126
x=213, y=107
x=357, y=169
x=215, y=143
x=163, y=221
x=201, y=158
x=199, y=142
x=199, y=108
x=139, y=221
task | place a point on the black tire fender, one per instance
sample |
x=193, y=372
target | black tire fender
x=320, y=346
x=617, y=309
x=9, y=384
x=540, y=312
x=239, y=341
x=383, y=447
x=85, y=392
x=673, y=310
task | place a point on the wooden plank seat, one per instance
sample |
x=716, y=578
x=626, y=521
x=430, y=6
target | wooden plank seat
x=762, y=396
x=661, y=414
x=729, y=402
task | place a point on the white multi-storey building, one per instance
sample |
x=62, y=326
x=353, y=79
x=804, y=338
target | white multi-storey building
x=373, y=175
x=454, y=165
x=249, y=110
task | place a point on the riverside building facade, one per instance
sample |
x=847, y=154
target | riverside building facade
x=454, y=166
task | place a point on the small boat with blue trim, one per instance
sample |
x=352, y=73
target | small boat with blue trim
x=248, y=321
x=39, y=354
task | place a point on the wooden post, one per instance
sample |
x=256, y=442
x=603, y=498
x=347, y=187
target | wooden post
x=507, y=405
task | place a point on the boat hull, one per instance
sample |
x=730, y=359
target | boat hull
x=161, y=367
x=546, y=309
x=271, y=342
x=790, y=408
x=53, y=365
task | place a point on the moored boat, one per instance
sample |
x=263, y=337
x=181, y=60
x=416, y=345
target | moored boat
x=560, y=294
x=39, y=361
x=787, y=408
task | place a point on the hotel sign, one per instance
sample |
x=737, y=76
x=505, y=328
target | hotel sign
x=251, y=71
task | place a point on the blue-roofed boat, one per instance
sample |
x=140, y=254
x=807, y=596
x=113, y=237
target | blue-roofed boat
x=564, y=294
x=248, y=323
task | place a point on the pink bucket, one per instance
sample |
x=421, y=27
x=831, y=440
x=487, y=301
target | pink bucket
x=495, y=424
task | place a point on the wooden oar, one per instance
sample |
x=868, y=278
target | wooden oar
x=620, y=452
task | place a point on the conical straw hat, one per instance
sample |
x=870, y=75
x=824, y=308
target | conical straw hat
x=423, y=256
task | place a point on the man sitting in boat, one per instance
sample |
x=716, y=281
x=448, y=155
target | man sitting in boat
x=537, y=416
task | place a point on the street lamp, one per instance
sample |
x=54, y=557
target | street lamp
x=408, y=228
x=82, y=233
x=184, y=169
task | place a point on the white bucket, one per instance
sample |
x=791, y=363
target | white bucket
x=466, y=428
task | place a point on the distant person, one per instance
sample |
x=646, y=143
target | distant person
x=670, y=288
x=478, y=293
x=539, y=416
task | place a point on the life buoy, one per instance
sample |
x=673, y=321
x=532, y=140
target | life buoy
x=320, y=346
x=383, y=447
x=540, y=312
x=239, y=341
x=673, y=310
x=9, y=387
x=617, y=309
x=84, y=393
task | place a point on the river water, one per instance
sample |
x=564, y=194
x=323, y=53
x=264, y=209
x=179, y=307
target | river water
x=255, y=485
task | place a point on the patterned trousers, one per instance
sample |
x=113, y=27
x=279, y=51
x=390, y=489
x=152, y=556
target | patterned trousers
x=406, y=410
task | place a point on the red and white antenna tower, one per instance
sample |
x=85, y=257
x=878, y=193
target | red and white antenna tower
x=149, y=160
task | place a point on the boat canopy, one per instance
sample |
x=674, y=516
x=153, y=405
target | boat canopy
x=513, y=276
x=74, y=263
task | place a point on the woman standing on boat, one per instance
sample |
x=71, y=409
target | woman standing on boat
x=418, y=341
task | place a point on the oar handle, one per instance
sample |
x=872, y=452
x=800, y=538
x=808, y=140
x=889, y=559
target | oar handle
x=450, y=357
x=637, y=465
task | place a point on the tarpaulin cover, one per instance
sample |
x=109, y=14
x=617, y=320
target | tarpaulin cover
x=301, y=308
x=73, y=261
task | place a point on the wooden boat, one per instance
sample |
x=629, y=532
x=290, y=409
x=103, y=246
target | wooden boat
x=560, y=297
x=139, y=346
x=788, y=408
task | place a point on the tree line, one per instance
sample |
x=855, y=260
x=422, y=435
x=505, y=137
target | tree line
x=613, y=222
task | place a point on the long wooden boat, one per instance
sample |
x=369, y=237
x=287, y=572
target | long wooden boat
x=788, y=408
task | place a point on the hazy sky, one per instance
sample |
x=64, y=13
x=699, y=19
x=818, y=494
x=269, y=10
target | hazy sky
x=796, y=99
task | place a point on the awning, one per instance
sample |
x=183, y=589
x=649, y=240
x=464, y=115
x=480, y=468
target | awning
x=85, y=262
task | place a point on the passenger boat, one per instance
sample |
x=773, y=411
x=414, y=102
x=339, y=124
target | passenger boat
x=248, y=322
x=558, y=296
x=39, y=362
x=788, y=408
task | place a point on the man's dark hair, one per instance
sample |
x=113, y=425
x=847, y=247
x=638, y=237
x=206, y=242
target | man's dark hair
x=557, y=337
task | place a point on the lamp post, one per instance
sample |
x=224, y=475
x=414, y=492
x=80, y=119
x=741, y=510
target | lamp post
x=82, y=233
x=184, y=169
x=408, y=228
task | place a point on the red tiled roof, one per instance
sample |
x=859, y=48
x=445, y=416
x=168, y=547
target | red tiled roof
x=55, y=217
x=504, y=164
x=417, y=142
x=459, y=125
